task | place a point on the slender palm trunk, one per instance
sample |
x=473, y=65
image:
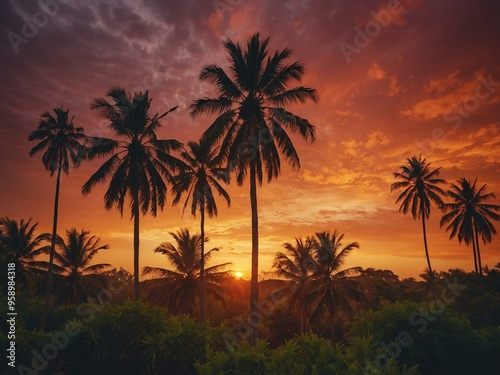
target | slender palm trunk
x=431, y=273
x=203, y=289
x=474, y=251
x=50, y=276
x=135, y=213
x=254, y=284
x=479, y=265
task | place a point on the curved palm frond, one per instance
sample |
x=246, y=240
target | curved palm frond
x=61, y=140
x=139, y=163
x=333, y=287
x=179, y=288
x=257, y=84
x=420, y=190
x=200, y=175
x=19, y=245
x=198, y=179
x=64, y=144
x=296, y=266
x=78, y=279
x=468, y=217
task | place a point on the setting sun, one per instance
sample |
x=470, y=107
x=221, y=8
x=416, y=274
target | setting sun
x=238, y=275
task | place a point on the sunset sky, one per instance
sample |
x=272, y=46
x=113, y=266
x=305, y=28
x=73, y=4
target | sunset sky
x=395, y=79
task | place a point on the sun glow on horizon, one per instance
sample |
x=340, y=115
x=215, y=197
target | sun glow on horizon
x=238, y=274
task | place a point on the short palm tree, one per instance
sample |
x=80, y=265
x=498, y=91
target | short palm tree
x=202, y=173
x=297, y=266
x=63, y=142
x=139, y=162
x=19, y=245
x=78, y=279
x=178, y=289
x=468, y=217
x=334, y=287
x=252, y=122
x=420, y=189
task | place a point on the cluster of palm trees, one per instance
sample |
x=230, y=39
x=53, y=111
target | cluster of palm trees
x=77, y=279
x=467, y=216
x=19, y=245
x=315, y=279
x=248, y=137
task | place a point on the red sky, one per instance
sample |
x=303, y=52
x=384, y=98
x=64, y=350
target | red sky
x=417, y=83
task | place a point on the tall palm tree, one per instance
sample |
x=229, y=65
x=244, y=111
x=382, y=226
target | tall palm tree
x=420, y=189
x=62, y=142
x=468, y=217
x=19, y=245
x=334, y=287
x=297, y=266
x=252, y=122
x=78, y=279
x=202, y=172
x=179, y=288
x=139, y=162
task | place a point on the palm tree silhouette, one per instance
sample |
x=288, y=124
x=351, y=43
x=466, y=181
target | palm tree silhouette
x=252, y=122
x=201, y=173
x=297, y=266
x=61, y=141
x=468, y=217
x=333, y=287
x=179, y=288
x=140, y=162
x=419, y=184
x=19, y=245
x=78, y=279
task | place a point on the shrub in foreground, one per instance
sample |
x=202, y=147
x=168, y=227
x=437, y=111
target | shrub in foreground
x=431, y=335
x=302, y=355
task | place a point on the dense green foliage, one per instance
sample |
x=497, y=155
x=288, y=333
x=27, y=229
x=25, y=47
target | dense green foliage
x=132, y=338
x=305, y=354
x=430, y=335
x=403, y=337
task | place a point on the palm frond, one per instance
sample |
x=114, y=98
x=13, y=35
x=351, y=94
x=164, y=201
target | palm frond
x=293, y=96
x=210, y=106
x=101, y=174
